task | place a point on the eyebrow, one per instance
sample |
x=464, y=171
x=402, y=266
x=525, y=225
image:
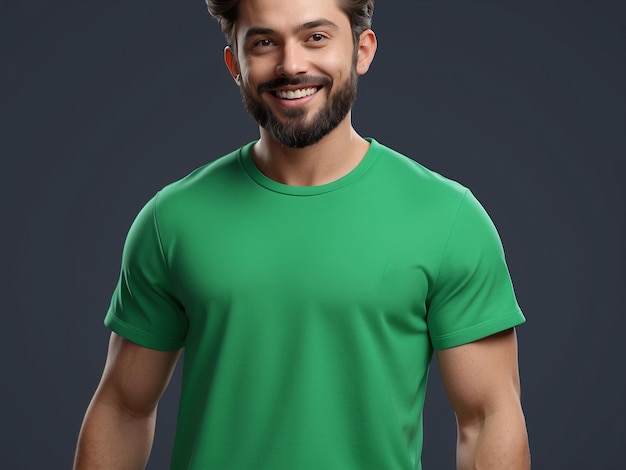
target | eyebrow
x=316, y=24
x=260, y=31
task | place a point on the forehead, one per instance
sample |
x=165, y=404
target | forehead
x=288, y=15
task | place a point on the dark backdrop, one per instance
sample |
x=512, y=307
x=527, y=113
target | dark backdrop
x=103, y=102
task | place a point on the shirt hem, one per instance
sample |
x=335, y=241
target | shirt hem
x=479, y=331
x=139, y=337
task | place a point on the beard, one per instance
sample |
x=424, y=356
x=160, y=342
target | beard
x=298, y=131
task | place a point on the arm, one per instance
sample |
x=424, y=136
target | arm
x=482, y=382
x=118, y=428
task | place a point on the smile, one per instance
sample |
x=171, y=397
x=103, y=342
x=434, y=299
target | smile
x=295, y=94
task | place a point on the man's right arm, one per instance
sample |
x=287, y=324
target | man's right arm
x=118, y=428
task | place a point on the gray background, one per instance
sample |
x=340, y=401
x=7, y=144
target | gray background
x=104, y=102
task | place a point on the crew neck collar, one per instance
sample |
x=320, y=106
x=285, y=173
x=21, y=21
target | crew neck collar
x=245, y=157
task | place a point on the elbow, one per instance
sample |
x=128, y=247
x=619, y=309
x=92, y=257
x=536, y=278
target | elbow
x=493, y=441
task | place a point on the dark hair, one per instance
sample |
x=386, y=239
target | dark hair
x=226, y=11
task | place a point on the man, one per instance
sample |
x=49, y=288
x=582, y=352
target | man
x=308, y=277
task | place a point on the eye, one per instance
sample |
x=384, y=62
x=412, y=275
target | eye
x=317, y=37
x=263, y=43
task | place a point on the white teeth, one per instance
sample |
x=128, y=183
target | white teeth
x=295, y=94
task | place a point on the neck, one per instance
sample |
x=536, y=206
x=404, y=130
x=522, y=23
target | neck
x=333, y=157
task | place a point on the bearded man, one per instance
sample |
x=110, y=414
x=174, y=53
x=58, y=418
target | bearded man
x=309, y=277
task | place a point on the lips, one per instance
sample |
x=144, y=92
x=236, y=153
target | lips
x=294, y=88
x=296, y=94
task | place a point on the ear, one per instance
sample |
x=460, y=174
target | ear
x=366, y=51
x=231, y=63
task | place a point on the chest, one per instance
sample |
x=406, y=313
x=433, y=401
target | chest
x=305, y=255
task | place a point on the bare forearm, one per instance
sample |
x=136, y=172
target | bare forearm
x=499, y=442
x=112, y=439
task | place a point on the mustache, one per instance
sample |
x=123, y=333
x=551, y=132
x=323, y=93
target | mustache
x=296, y=81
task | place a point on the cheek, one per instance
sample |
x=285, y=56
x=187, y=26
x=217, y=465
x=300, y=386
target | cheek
x=255, y=72
x=334, y=66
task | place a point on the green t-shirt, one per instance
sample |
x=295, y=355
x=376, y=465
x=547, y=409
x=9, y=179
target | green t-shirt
x=309, y=314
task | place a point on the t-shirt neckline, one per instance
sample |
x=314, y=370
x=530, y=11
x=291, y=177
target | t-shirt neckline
x=245, y=157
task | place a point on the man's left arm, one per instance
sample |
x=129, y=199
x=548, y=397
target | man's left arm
x=482, y=382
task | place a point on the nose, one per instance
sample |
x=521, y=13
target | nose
x=293, y=60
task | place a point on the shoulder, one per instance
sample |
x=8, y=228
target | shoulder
x=211, y=181
x=415, y=182
x=223, y=168
x=202, y=191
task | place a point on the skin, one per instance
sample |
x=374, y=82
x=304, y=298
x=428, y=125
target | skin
x=482, y=383
x=275, y=39
x=118, y=428
x=287, y=49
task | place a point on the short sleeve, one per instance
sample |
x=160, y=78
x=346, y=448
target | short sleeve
x=473, y=295
x=144, y=308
